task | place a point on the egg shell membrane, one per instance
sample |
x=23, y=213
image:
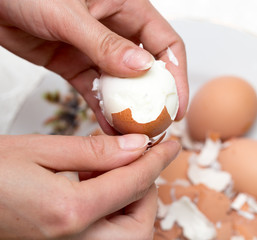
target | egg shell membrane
x=124, y=123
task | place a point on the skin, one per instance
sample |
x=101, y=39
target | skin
x=78, y=40
x=40, y=204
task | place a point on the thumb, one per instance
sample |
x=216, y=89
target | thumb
x=109, y=51
x=74, y=153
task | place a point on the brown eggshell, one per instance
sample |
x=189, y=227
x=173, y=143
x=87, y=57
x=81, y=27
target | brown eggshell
x=124, y=123
x=240, y=160
x=214, y=205
x=225, y=105
x=177, y=168
x=191, y=192
x=164, y=193
x=243, y=226
x=225, y=231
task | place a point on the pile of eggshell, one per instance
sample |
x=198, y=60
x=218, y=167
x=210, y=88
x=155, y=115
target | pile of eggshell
x=210, y=190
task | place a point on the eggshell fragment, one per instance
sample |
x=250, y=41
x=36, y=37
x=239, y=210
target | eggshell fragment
x=194, y=223
x=178, y=167
x=225, y=105
x=164, y=193
x=239, y=159
x=214, y=179
x=209, y=152
x=214, y=205
x=124, y=123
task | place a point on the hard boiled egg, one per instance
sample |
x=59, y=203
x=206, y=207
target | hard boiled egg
x=146, y=104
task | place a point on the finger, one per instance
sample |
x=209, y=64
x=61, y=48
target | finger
x=122, y=186
x=144, y=210
x=109, y=51
x=167, y=37
x=136, y=223
x=156, y=34
x=73, y=153
x=84, y=83
x=139, y=215
x=180, y=76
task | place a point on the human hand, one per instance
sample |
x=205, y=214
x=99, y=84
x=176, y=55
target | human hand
x=78, y=39
x=119, y=203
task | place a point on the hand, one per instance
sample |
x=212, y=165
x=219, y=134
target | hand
x=78, y=39
x=119, y=203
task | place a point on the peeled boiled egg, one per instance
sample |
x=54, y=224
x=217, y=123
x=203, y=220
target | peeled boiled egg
x=225, y=105
x=146, y=104
x=239, y=159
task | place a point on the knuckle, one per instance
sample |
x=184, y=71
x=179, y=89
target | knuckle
x=63, y=218
x=110, y=41
x=95, y=145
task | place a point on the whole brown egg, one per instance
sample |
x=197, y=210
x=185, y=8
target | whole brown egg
x=225, y=105
x=240, y=160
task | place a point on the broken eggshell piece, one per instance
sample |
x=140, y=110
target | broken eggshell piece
x=194, y=223
x=146, y=104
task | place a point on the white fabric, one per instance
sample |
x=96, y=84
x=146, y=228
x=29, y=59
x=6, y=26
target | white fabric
x=17, y=79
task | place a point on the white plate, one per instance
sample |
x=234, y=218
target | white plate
x=212, y=50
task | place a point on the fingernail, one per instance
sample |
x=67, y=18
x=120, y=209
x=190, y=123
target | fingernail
x=131, y=142
x=138, y=59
